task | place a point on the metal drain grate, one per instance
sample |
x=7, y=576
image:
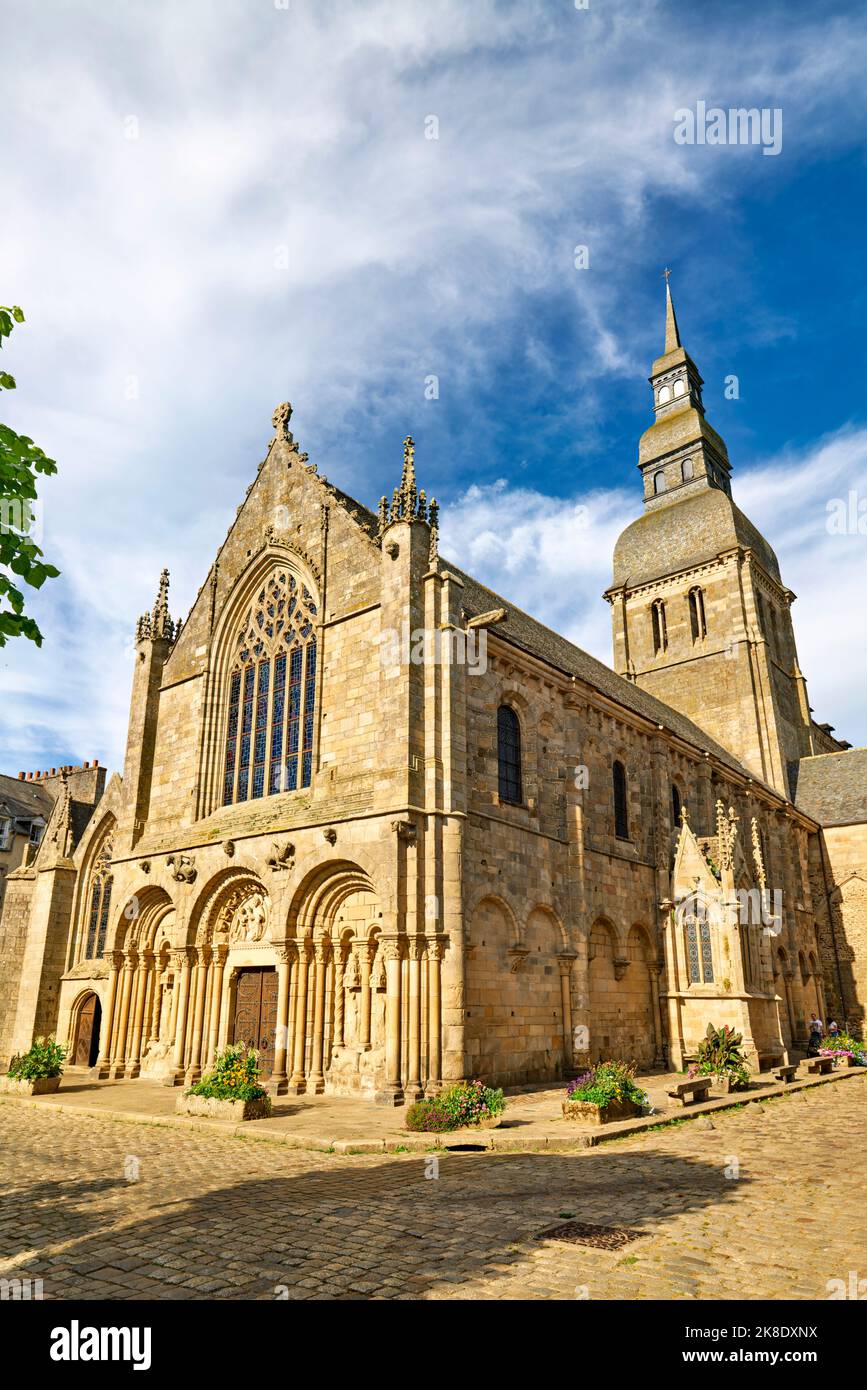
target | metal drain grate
x=582, y=1233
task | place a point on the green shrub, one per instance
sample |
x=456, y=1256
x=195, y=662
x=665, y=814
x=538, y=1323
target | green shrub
x=607, y=1084
x=45, y=1058
x=720, y=1051
x=427, y=1117
x=465, y=1103
x=235, y=1076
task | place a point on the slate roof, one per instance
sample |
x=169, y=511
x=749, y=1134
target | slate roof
x=686, y=533
x=832, y=787
x=24, y=800
x=531, y=636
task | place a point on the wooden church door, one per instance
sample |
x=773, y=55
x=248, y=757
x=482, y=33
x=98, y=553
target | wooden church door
x=255, y=1021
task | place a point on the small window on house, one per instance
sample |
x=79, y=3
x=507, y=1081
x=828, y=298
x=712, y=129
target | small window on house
x=763, y=617
x=5, y=833
x=697, y=622
x=664, y=395
x=621, y=811
x=36, y=832
x=676, y=804
x=660, y=631
x=679, y=386
x=686, y=470
x=509, y=755
x=659, y=481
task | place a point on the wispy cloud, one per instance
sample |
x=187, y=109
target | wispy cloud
x=213, y=206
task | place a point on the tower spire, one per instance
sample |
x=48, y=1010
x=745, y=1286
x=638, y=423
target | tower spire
x=672, y=333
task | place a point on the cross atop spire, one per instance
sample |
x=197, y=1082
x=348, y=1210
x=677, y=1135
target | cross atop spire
x=672, y=333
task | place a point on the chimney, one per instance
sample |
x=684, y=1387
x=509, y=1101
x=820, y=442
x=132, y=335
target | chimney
x=21, y=777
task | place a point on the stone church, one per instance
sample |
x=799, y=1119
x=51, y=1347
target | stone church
x=392, y=830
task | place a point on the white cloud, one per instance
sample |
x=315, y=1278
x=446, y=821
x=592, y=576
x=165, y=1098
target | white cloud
x=152, y=261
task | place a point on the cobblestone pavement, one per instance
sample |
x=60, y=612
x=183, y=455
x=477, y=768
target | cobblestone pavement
x=769, y=1203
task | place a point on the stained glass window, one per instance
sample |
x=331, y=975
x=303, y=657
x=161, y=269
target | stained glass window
x=509, y=755
x=621, y=809
x=270, y=725
x=99, y=902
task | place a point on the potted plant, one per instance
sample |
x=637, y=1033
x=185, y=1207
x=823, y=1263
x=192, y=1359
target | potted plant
x=466, y=1105
x=846, y=1050
x=231, y=1091
x=604, y=1093
x=37, y=1072
x=720, y=1055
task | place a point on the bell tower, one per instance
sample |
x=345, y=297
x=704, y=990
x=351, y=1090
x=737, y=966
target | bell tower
x=701, y=616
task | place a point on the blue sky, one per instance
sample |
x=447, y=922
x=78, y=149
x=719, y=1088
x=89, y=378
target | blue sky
x=215, y=206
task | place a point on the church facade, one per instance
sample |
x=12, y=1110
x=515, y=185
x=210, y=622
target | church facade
x=385, y=826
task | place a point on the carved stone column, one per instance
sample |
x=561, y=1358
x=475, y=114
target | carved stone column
x=153, y=1033
x=321, y=954
x=565, y=963
x=145, y=967
x=415, y=949
x=339, y=996
x=183, y=963
x=364, y=955
x=118, y=1064
x=392, y=1092
x=115, y=961
x=203, y=970
x=655, y=970
x=297, y=1081
x=435, y=953
x=286, y=955
x=217, y=969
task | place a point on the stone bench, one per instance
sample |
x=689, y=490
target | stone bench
x=821, y=1066
x=788, y=1073
x=688, y=1092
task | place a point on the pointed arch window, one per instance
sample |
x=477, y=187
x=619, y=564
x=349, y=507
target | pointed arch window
x=660, y=628
x=509, y=755
x=697, y=620
x=272, y=693
x=621, y=808
x=676, y=805
x=99, y=901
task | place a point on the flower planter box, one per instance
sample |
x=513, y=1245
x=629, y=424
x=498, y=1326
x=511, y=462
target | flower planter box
x=596, y=1115
x=728, y=1086
x=489, y=1122
x=40, y=1086
x=224, y=1109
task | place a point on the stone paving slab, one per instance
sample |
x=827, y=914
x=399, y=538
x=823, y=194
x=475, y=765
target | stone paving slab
x=767, y=1201
x=341, y=1124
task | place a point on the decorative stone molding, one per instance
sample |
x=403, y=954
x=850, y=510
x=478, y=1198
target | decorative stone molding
x=183, y=868
x=229, y=848
x=405, y=830
x=281, y=856
x=330, y=835
x=621, y=964
x=517, y=956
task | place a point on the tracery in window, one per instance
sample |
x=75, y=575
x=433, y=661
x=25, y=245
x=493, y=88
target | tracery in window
x=272, y=693
x=99, y=901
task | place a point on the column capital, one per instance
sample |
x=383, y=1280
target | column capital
x=286, y=952
x=182, y=955
x=416, y=947
x=220, y=953
x=565, y=961
x=392, y=947
x=113, y=959
x=322, y=950
x=436, y=947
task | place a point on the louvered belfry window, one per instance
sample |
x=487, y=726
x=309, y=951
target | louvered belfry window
x=272, y=693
